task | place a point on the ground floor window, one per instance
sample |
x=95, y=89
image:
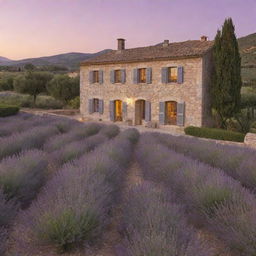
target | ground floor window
x=96, y=105
x=171, y=112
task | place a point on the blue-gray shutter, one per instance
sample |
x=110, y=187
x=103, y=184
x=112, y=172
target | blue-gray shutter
x=147, y=111
x=164, y=75
x=124, y=109
x=112, y=110
x=123, y=76
x=112, y=76
x=180, y=75
x=135, y=76
x=101, y=76
x=180, y=113
x=101, y=107
x=162, y=113
x=149, y=76
x=90, y=106
x=91, y=77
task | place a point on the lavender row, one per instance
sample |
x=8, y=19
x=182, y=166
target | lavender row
x=238, y=162
x=33, y=138
x=156, y=226
x=213, y=199
x=74, y=205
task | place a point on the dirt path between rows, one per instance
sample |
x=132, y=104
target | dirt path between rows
x=112, y=237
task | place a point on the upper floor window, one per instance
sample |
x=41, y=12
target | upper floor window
x=95, y=76
x=118, y=76
x=142, y=75
x=172, y=75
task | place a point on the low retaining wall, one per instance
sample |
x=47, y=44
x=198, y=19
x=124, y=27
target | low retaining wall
x=250, y=140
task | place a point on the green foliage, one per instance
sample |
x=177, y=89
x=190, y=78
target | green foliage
x=24, y=100
x=245, y=120
x=29, y=67
x=213, y=133
x=7, y=110
x=6, y=81
x=67, y=228
x=64, y=88
x=32, y=83
x=75, y=103
x=226, y=82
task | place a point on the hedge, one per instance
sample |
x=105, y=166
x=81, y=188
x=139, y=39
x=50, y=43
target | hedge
x=213, y=133
x=8, y=110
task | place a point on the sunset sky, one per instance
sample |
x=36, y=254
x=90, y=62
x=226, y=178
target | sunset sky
x=33, y=28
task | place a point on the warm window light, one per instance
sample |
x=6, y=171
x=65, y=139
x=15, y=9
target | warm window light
x=129, y=101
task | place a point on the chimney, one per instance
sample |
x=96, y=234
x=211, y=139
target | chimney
x=120, y=44
x=204, y=38
x=165, y=43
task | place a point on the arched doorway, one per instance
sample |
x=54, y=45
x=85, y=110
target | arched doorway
x=139, y=111
x=118, y=110
x=171, y=112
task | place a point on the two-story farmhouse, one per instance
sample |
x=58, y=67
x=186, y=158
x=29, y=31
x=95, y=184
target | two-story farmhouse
x=168, y=83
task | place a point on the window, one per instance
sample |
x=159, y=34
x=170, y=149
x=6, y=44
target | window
x=118, y=76
x=95, y=105
x=96, y=76
x=142, y=75
x=173, y=75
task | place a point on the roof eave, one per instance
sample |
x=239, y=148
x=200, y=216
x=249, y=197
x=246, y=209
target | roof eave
x=144, y=60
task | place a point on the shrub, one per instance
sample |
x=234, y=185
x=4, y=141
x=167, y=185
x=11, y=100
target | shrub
x=237, y=162
x=8, y=210
x=33, y=138
x=78, y=132
x=110, y=130
x=22, y=176
x=76, y=149
x=6, y=110
x=208, y=194
x=164, y=231
x=213, y=133
x=3, y=240
x=74, y=103
x=74, y=204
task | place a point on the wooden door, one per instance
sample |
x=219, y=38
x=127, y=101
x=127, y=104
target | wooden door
x=118, y=110
x=171, y=112
x=139, y=111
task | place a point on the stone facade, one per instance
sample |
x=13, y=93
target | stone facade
x=194, y=91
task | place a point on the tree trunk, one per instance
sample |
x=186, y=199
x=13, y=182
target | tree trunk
x=34, y=102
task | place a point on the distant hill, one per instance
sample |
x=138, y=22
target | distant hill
x=247, y=47
x=70, y=60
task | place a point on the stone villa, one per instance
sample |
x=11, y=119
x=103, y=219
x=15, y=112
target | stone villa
x=165, y=84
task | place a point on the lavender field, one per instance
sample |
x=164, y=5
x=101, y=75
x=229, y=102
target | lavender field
x=90, y=189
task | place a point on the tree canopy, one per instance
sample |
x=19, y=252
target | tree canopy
x=226, y=83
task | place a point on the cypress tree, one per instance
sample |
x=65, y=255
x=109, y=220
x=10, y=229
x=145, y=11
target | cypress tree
x=226, y=86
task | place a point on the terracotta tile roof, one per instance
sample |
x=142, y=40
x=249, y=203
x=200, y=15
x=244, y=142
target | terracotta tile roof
x=187, y=49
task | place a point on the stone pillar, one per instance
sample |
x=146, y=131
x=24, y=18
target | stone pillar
x=250, y=140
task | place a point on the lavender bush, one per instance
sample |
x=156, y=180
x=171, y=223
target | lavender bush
x=76, y=149
x=110, y=131
x=22, y=176
x=3, y=239
x=8, y=210
x=74, y=204
x=155, y=226
x=78, y=132
x=238, y=162
x=33, y=138
x=207, y=192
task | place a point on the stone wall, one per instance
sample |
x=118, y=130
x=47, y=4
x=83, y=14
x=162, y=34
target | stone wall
x=250, y=140
x=190, y=92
